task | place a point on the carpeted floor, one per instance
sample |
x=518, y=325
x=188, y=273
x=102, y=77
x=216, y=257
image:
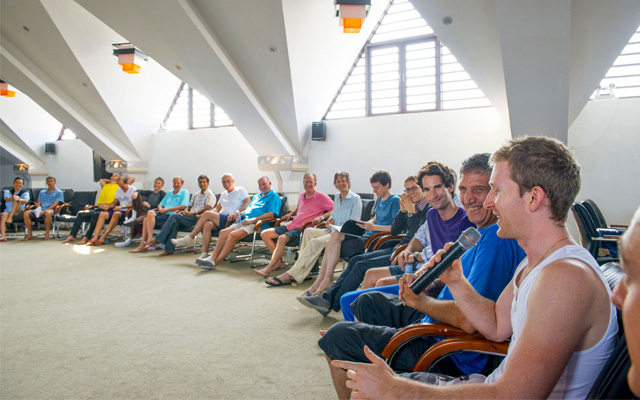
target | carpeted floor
x=82, y=322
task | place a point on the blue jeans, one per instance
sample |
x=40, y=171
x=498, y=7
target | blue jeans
x=353, y=275
x=170, y=229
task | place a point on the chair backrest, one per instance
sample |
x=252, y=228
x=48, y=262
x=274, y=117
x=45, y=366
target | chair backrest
x=67, y=195
x=586, y=227
x=612, y=380
x=593, y=210
x=366, y=196
x=81, y=199
x=367, y=209
x=283, y=205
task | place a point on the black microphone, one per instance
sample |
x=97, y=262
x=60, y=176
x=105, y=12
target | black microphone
x=467, y=240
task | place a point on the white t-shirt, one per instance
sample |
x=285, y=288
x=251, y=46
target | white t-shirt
x=125, y=198
x=231, y=201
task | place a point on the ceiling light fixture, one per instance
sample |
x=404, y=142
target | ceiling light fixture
x=352, y=14
x=129, y=57
x=4, y=90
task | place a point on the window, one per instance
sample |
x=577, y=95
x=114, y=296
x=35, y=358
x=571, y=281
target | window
x=623, y=78
x=404, y=68
x=191, y=110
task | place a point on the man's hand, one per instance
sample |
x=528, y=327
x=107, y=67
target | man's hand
x=404, y=257
x=134, y=196
x=287, y=216
x=146, y=204
x=416, y=301
x=451, y=275
x=317, y=220
x=367, y=226
x=16, y=197
x=161, y=210
x=406, y=205
x=116, y=208
x=104, y=207
x=369, y=381
x=249, y=221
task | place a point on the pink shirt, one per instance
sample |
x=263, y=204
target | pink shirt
x=310, y=208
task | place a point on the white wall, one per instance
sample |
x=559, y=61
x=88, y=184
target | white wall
x=606, y=140
x=402, y=144
x=204, y=151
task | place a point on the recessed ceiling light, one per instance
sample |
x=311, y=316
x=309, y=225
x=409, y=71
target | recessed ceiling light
x=447, y=20
x=85, y=84
x=273, y=49
x=26, y=28
x=178, y=67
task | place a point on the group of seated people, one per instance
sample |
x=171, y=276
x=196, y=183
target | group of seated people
x=526, y=279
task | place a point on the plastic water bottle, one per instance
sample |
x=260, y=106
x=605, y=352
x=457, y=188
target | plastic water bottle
x=408, y=268
x=289, y=258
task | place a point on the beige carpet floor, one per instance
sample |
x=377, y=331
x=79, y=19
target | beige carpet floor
x=80, y=322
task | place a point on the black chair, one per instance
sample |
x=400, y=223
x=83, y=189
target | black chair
x=593, y=210
x=68, y=211
x=589, y=236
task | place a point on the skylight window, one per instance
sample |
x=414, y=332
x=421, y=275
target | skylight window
x=192, y=110
x=404, y=68
x=623, y=78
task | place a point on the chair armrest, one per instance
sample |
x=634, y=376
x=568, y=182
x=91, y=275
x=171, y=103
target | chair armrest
x=321, y=225
x=61, y=207
x=305, y=226
x=446, y=347
x=398, y=251
x=262, y=221
x=620, y=226
x=372, y=239
x=385, y=239
x=414, y=331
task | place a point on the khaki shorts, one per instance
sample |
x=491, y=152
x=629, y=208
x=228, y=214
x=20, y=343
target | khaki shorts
x=18, y=213
x=247, y=228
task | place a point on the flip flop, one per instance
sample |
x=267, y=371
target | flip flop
x=280, y=283
x=98, y=243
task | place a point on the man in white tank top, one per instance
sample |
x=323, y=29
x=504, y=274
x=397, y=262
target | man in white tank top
x=626, y=297
x=557, y=309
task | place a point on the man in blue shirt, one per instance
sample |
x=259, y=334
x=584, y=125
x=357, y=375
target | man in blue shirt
x=46, y=205
x=489, y=267
x=14, y=201
x=265, y=204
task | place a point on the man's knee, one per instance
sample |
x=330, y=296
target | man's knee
x=237, y=235
x=151, y=214
x=338, y=341
x=283, y=239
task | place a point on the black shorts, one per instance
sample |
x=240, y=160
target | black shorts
x=293, y=234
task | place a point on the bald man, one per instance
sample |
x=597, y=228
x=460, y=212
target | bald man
x=626, y=296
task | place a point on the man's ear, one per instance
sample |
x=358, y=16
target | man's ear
x=537, y=197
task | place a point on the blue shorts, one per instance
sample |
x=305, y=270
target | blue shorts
x=282, y=230
x=223, y=221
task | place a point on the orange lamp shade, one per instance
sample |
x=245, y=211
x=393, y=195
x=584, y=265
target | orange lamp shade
x=131, y=68
x=351, y=25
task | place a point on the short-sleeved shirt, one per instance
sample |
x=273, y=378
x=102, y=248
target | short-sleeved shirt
x=47, y=199
x=108, y=193
x=155, y=198
x=441, y=232
x=489, y=267
x=231, y=201
x=175, y=199
x=310, y=207
x=201, y=200
x=124, y=198
x=23, y=194
x=385, y=211
x=349, y=208
x=262, y=204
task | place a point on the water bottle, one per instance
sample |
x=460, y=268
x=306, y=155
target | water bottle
x=408, y=268
x=289, y=258
x=238, y=216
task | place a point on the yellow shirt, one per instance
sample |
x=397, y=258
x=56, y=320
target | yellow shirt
x=108, y=193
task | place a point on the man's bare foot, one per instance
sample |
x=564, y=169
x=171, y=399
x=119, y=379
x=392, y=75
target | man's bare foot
x=263, y=272
x=69, y=239
x=28, y=237
x=322, y=332
x=151, y=242
x=165, y=253
x=138, y=250
x=9, y=220
x=84, y=240
x=46, y=236
x=3, y=239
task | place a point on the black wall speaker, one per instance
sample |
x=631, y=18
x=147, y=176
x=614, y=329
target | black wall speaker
x=49, y=148
x=99, y=168
x=318, y=130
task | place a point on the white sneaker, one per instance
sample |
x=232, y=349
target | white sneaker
x=205, y=263
x=132, y=218
x=183, y=242
x=126, y=243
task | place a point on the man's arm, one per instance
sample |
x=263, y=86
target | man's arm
x=245, y=204
x=250, y=221
x=289, y=215
x=406, y=255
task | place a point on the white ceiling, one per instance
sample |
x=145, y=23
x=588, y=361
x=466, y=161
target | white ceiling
x=536, y=60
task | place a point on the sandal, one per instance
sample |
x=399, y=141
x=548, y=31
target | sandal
x=280, y=283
